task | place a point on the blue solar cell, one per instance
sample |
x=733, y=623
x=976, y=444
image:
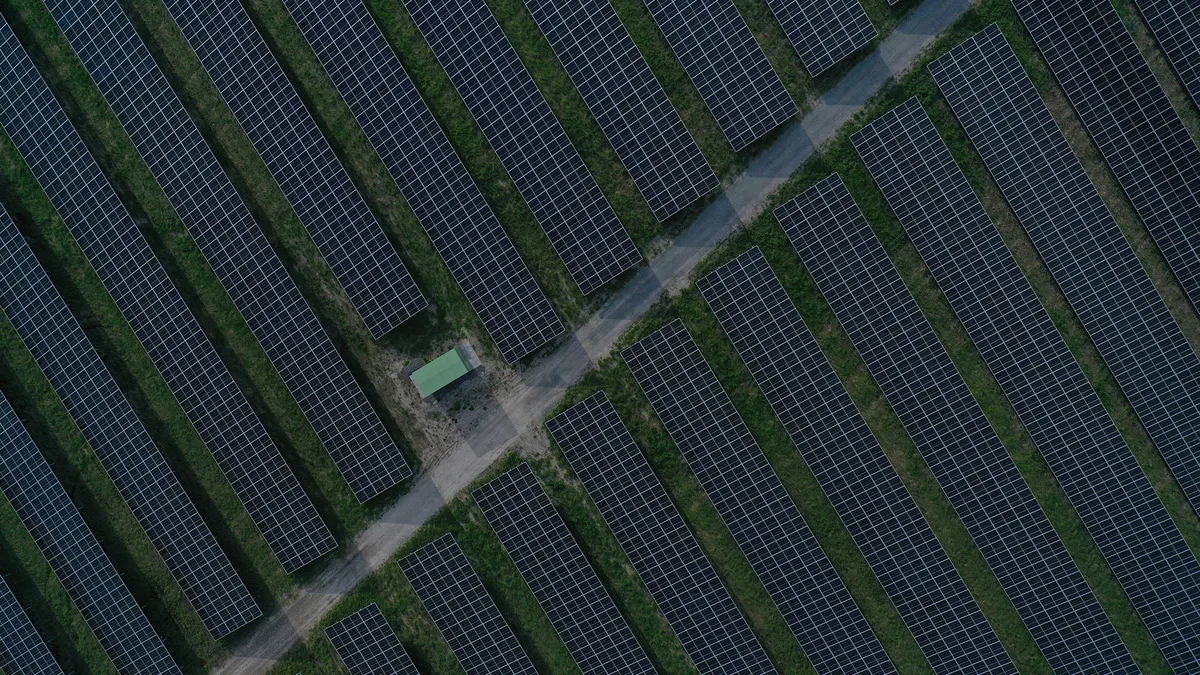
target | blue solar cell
x=559, y=574
x=531, y=144
x=157, y=313
x=429, y=173
x=750, y=498
x=75, y=555
x=630, y=106
x=22, y=651
x=138, y=469
x=950, y=431
x=658, y=542
x=464, y=612
x=238, y=251
x=300, y=159
x=855, y=474
x=1046, y=387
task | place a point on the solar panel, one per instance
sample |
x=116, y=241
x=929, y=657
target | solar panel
x=462, y=609
x=291, y=144
x=1081, y=243
x=431, y=176
x=21, y=648
x=1040, y=377
x=366, y=643
x=156, y=311
x=531, y=144
x=824, y=31
x=1176, y=24
x=752, y=501
x=1129, y=117
x=729, y=69
x=559, y=574
x=253, y=275
x=630, y=106
x=861, y=483
x=82, y=566
x=657, y=540
x=124, y=447
x=950, y=431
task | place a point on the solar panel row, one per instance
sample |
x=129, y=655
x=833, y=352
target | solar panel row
x=1081, y=243
x=82, y=566
x=657, y=540
x=22, y=651
x=754, y=504
x=531, y=144
x=237, y=250
x=824, y=31
x=1176, y=24
x=950, y=431
x=157, y=313
x=855, y=474
x=366, y=643
x=559, y=574
x=430, y=175
x=464, y=612
x=630, y=106
x=300, y=159
x=118, y=438
x=1046, y=387
x=729, y=69
x=1129, y=117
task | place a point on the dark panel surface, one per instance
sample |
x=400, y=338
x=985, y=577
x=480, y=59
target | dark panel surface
x=950, y=431
x=750, y=498
x=855, y=474
x=1043, y=382
x=531, y=144
x=237, y=250
x=464, y=612
x=657, y=540
x=559, y=575
x=430, y=174
x=157, y=313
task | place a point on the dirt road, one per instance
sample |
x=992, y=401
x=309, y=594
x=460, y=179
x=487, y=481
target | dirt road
x=521, y=414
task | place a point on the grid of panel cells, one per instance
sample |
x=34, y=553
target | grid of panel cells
x=950, y=431
x=22, y=651
x=430, y=175
x=464, y=612
x=658, y=542
x=78, y=561
x=300, y=159
x=559, y=574
x=1081, y=243
x=865, y=490
x=366, y=643
x=823, y=32
x=1140, y=135
x=729, y=69
x=1176, y=26
x=630, y=106
x=531, y=144
x=156, y=311
x=1039, y=376
x=118, y=438
x=753, y=503
x=238, y=251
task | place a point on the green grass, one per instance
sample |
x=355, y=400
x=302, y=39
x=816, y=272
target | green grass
x=450, y=319
x=613, y=377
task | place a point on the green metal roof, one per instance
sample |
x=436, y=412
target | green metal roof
x=440, y=372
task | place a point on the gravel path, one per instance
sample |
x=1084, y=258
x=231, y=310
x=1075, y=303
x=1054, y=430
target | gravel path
x=521, y=414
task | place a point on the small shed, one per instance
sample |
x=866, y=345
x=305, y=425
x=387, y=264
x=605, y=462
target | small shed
x=445, y=369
